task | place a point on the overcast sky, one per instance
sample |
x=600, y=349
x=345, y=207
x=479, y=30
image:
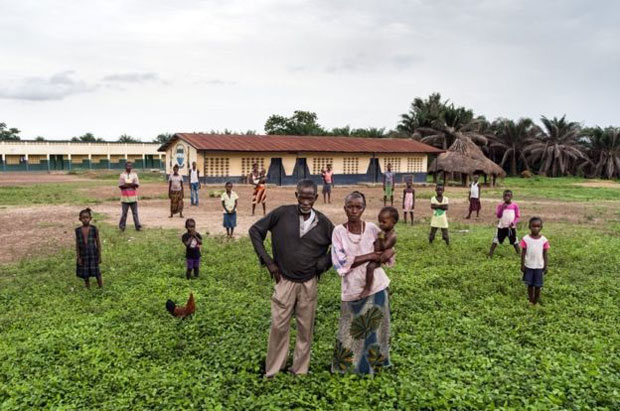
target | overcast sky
x=144, y=67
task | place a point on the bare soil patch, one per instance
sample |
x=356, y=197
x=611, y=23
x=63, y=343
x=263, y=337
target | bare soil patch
x=42, y=230
x=35, y=231
x=208, y=215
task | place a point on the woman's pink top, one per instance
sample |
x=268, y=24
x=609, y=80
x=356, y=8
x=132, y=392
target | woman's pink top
x=347, y=246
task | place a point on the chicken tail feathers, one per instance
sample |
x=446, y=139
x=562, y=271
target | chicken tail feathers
x=190, y=307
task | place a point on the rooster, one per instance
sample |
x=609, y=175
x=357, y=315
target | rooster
x=182, y=312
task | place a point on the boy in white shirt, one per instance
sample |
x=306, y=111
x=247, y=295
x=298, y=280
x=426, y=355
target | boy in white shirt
x=534, y=248
x=474, y=197
x=194, y=183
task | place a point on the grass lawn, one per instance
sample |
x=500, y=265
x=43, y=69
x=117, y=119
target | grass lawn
x=60, y=193
x=559, y=189
x=463, y=334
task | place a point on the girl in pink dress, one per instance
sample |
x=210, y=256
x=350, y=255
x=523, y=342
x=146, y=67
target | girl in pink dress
x=408, y=201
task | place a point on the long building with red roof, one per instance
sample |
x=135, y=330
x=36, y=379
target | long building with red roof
x=287, y=159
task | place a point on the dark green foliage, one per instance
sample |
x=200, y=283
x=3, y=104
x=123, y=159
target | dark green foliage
x=463, y=334
x=88, y=138
x=301, y=123
x=8, y=134
x=603, y=148
x=305, y=123
x=125, y=138
x=556, y=147
x=372, y=132
x=162, y=138
x=441, y=123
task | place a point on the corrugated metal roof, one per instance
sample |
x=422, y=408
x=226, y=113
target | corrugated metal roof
x=258, y=143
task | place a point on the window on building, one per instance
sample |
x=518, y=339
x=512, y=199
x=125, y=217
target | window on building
x=415, y=164
x=217, y=166
x=248, y=162
x=12, y=159
x=320, y=163
x=350, y=165
x=394, y=161
x=36, y=159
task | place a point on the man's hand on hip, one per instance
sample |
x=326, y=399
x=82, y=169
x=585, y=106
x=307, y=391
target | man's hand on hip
x=274, y=271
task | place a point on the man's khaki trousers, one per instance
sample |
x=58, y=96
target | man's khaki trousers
x=288, y=298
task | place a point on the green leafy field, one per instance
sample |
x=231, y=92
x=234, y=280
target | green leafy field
x=464, y=335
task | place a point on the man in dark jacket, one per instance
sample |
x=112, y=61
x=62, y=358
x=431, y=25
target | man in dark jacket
x=300, y=238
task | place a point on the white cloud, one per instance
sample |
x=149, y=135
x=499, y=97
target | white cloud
x=132, y=78
x=56, y=87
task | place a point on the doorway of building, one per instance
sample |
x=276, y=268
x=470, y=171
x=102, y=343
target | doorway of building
x=275, y=175
x=301, y=170
x=374, y=170
x=56, y=162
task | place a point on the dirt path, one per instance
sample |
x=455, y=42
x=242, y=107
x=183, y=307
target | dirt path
x=35, y=231
x=154, y=213
x=42, y=230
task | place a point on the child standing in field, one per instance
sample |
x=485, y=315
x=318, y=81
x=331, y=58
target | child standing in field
x=534, y=259
x=508, y=214
x=388, y=186
x=439, y=220
x=175, y=192
x=474, y=197
x=386, y=240
x=229, y=204
x=328, y=182
x=193, y=242
x=88, y=250
x=408, y=200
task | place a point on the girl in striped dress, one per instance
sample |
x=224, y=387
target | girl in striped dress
x=88, y=250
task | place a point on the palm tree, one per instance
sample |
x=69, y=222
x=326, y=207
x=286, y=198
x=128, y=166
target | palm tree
x=454, y=122
x=510, y=139
x=604, y=151
x=421, y=114
x=125, y=138
x=555, y=146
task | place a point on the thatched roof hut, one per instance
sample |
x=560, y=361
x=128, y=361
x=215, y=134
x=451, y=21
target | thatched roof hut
x=466, y=158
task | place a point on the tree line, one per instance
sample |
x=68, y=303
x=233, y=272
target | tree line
x=12, y=134
x=555, y=147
